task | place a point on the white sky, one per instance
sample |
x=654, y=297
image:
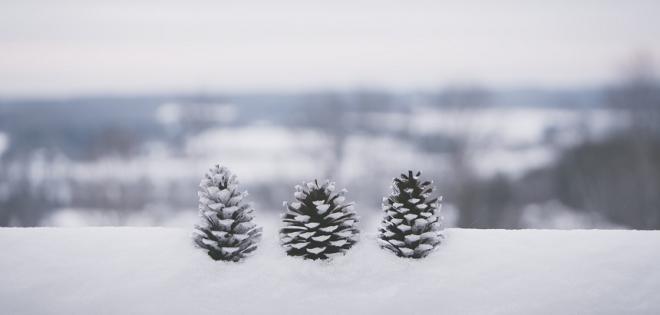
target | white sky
x=65, y=47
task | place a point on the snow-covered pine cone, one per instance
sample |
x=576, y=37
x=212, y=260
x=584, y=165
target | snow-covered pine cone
x=226, y=231
x=412, y=226
x=318, y=224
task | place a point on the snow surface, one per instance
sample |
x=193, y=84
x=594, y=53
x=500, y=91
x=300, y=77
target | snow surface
x=158, y=271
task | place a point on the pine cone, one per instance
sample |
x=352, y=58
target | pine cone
x=412, y=225
x=318, y=224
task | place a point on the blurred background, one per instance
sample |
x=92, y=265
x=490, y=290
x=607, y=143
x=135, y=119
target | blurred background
x=526, y=114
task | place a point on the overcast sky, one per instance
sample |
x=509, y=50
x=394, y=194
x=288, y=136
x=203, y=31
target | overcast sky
x=64, y=47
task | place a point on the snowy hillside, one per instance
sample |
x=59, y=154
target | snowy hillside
x=157, y=271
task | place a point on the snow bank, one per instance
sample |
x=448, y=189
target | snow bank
x=157, y=271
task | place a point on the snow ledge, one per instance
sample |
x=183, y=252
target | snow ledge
x=158, y=271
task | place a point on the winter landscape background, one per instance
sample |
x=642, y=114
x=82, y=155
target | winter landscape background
x=502, y=159
x=526, y=115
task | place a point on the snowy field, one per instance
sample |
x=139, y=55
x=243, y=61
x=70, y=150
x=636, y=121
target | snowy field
x=158, y=271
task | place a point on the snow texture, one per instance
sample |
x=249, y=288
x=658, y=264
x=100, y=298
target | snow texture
x=158, y=271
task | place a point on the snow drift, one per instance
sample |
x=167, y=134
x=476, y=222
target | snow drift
x=158, y=271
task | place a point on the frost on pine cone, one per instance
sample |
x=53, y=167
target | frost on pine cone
x=412, y=224
x=318, y=224
x=227, y=231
